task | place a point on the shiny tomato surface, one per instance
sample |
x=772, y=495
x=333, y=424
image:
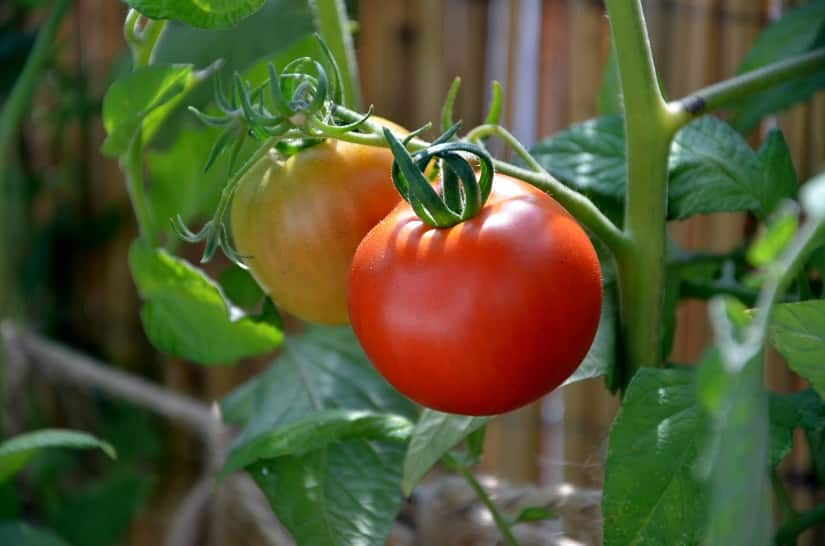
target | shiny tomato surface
x=299, y=221
x=483, y=317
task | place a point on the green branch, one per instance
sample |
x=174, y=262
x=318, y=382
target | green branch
x=576, y=204
x=15, y=108
x=649, y=131
x=715, y=96
x=501, y=523
x=333, y=26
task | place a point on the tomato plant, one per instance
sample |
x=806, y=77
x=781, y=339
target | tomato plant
x=297, y=222
x=479, y=295
x=482, y=317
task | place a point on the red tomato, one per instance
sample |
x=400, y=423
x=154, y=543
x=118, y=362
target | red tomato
x=483, y=317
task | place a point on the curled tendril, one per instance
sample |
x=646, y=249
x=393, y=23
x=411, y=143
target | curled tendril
x=461, y=194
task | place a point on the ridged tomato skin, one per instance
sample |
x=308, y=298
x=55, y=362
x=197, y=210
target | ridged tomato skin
x=298, y=221
x=483, y=317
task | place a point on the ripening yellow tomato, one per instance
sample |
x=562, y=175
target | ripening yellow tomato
x=298, y=222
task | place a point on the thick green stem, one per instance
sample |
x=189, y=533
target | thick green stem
x=501, y=523
x=333, y=26
x=15, y=108
x=132, y=165
x=717, y=95
x=649, y=132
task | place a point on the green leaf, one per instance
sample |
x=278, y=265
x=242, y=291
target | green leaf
x=16, y=452
x=804, y=409
x=321, y=369
x=179, y=185
x=736, y=453
x=18, y=533
x=602, y=353
x=712, y=169
x=435, y=433
x=315, y=431
x=316, y=494
x=199, y=13
x=797, y=331
x=589, y=157
x=185, y=313
x=533, y=513
x=610, y=93
x=343, y=495
x=780, y=181
x=798, y=31
x=239, y=286
x=140, y=100
x=651, y=494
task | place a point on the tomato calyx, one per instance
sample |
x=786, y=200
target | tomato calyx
x=460, y=196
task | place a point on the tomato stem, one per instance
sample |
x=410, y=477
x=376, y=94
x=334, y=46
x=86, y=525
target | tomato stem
x=577, y=204
x=641, y=270
x=498, y=518
x=715, y=96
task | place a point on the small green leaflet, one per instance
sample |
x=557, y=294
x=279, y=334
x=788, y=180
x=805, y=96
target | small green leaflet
x=16, y=452
x=797, y=331
x=140, y=100
x=186, y=315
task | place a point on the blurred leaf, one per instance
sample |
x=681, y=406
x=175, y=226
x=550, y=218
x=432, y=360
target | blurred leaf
x=804, y=409
x=277, y=25
x=533, y=513
x=139, y=100
x=185, y=313
x=18, y=533
x=316, y=431
x=767, y=247
x=588, y=156
x=100, y=513
x=135, y=433
x=797, y=331
x=10, y=502
x=435, y=433
x=341, y=495
x=610, y=93
x=239, y=286
x=16, y=452
x=602, y=353
x=736, y=453
x=198, y=13
x=712, y=169
x=799, y=31
x=651, y=494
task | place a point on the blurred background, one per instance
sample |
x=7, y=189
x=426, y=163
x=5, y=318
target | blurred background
x=68, y=216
